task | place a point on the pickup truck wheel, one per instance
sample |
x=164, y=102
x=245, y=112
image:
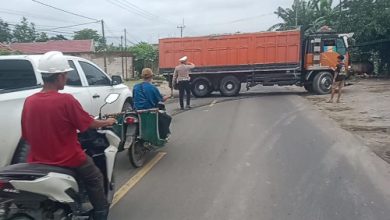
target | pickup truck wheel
x=201, y=87
x=21, y=153
x=322, y=83
x=230, y=86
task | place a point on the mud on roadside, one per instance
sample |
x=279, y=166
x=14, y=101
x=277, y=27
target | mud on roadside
x=364, y=110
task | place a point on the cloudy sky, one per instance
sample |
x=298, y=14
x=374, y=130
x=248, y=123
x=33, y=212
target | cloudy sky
x=147, y=20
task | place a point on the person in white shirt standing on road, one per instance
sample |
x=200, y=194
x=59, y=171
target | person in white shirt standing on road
x=181, y=78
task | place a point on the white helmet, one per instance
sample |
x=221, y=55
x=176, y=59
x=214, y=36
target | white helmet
x=183, y=59
x=53, y=62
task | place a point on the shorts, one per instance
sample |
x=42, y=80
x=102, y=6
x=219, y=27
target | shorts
x=340, y=78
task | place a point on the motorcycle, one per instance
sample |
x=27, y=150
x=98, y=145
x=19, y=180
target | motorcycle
x=37, y=191
x=140, y=132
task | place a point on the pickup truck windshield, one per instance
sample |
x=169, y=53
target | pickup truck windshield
x=16, y=74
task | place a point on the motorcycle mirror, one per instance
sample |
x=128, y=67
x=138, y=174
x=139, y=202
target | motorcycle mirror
x=112, y=98
x=109, y=99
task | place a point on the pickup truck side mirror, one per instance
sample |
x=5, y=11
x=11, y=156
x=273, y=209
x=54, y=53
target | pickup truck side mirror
x=116, y=80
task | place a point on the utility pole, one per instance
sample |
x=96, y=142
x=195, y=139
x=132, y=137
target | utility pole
x=296, y=13
x=126, y=74
x=181, y=28
x=104, y=47
x=123, y=70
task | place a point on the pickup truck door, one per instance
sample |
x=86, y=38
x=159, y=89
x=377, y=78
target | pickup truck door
x=99, y=86
x=77, y=86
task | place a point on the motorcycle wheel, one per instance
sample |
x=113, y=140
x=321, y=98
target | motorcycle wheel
x=136, y=154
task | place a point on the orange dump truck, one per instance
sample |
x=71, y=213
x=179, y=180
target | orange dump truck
x=224, y=62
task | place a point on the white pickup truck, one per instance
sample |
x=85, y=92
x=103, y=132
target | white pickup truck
x=19, y=79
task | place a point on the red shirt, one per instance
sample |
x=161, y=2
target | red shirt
x=50, y=122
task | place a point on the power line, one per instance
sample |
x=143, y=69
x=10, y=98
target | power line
x=149, y=13
x=131, y=42
x=69, y=26
x=82, y=16
x=138, y=9
x=128, y=9
x=131, y=8
x=29, y=15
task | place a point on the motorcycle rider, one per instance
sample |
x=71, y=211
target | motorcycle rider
x=147, y=96
x=50, y=121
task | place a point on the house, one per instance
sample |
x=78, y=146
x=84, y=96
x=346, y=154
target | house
x=116, y=62
x=70, y=47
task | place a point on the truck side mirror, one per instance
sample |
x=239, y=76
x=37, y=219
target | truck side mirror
x=116, y=80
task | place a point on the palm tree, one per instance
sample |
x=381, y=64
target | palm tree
x=310, y=15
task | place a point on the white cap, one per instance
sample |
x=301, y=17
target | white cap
x=53, y=62
x=183, y=59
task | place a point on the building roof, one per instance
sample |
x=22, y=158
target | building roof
x=65, y=46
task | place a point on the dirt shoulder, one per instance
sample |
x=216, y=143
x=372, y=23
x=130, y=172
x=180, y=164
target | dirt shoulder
x=364, y=110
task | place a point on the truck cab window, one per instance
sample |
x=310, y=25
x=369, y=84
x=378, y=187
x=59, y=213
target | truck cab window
x=341, y=47
x=329, y=45
x=73, y=76
x=16, y=74
x=94, y=76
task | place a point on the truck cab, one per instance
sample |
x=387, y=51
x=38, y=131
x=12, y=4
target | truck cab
x=320, y=54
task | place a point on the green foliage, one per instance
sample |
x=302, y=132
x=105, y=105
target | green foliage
x=5, y=32
x=309, y=15
x=58, y=37
x=88, y=33
x=42, y=37
x=24, y=32
x=368, y=19
x=145, y=55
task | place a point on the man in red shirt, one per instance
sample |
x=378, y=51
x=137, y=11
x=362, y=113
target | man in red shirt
x=50, y=121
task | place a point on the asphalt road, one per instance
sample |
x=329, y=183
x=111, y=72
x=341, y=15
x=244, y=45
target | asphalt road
x=260, y=156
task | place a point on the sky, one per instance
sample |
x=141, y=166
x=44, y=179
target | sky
x=146, y=20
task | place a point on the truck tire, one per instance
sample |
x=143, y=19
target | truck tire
x=230, y=86
x=21, y=153
x=201, y=87
x=322, y=83
x=308, y=87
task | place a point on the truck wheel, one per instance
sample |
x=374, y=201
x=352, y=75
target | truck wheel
x=21, y=153
x=230, y=86
x=201, y=87
x=308, y=87
x=322, y=83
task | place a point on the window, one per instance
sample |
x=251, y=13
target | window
x=329, y=46
x=16, y=74
x=94, y=76
x=73, y=76
x=341, y=46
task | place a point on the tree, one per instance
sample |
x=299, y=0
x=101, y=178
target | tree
x=145, y=55
x=5, y=32
x=310, y=15
x=58, y=37
x=25, y=32
x=42, y=37
x=301, y=13
x=88, y=33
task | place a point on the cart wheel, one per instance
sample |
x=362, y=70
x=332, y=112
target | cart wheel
x=137, y=154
